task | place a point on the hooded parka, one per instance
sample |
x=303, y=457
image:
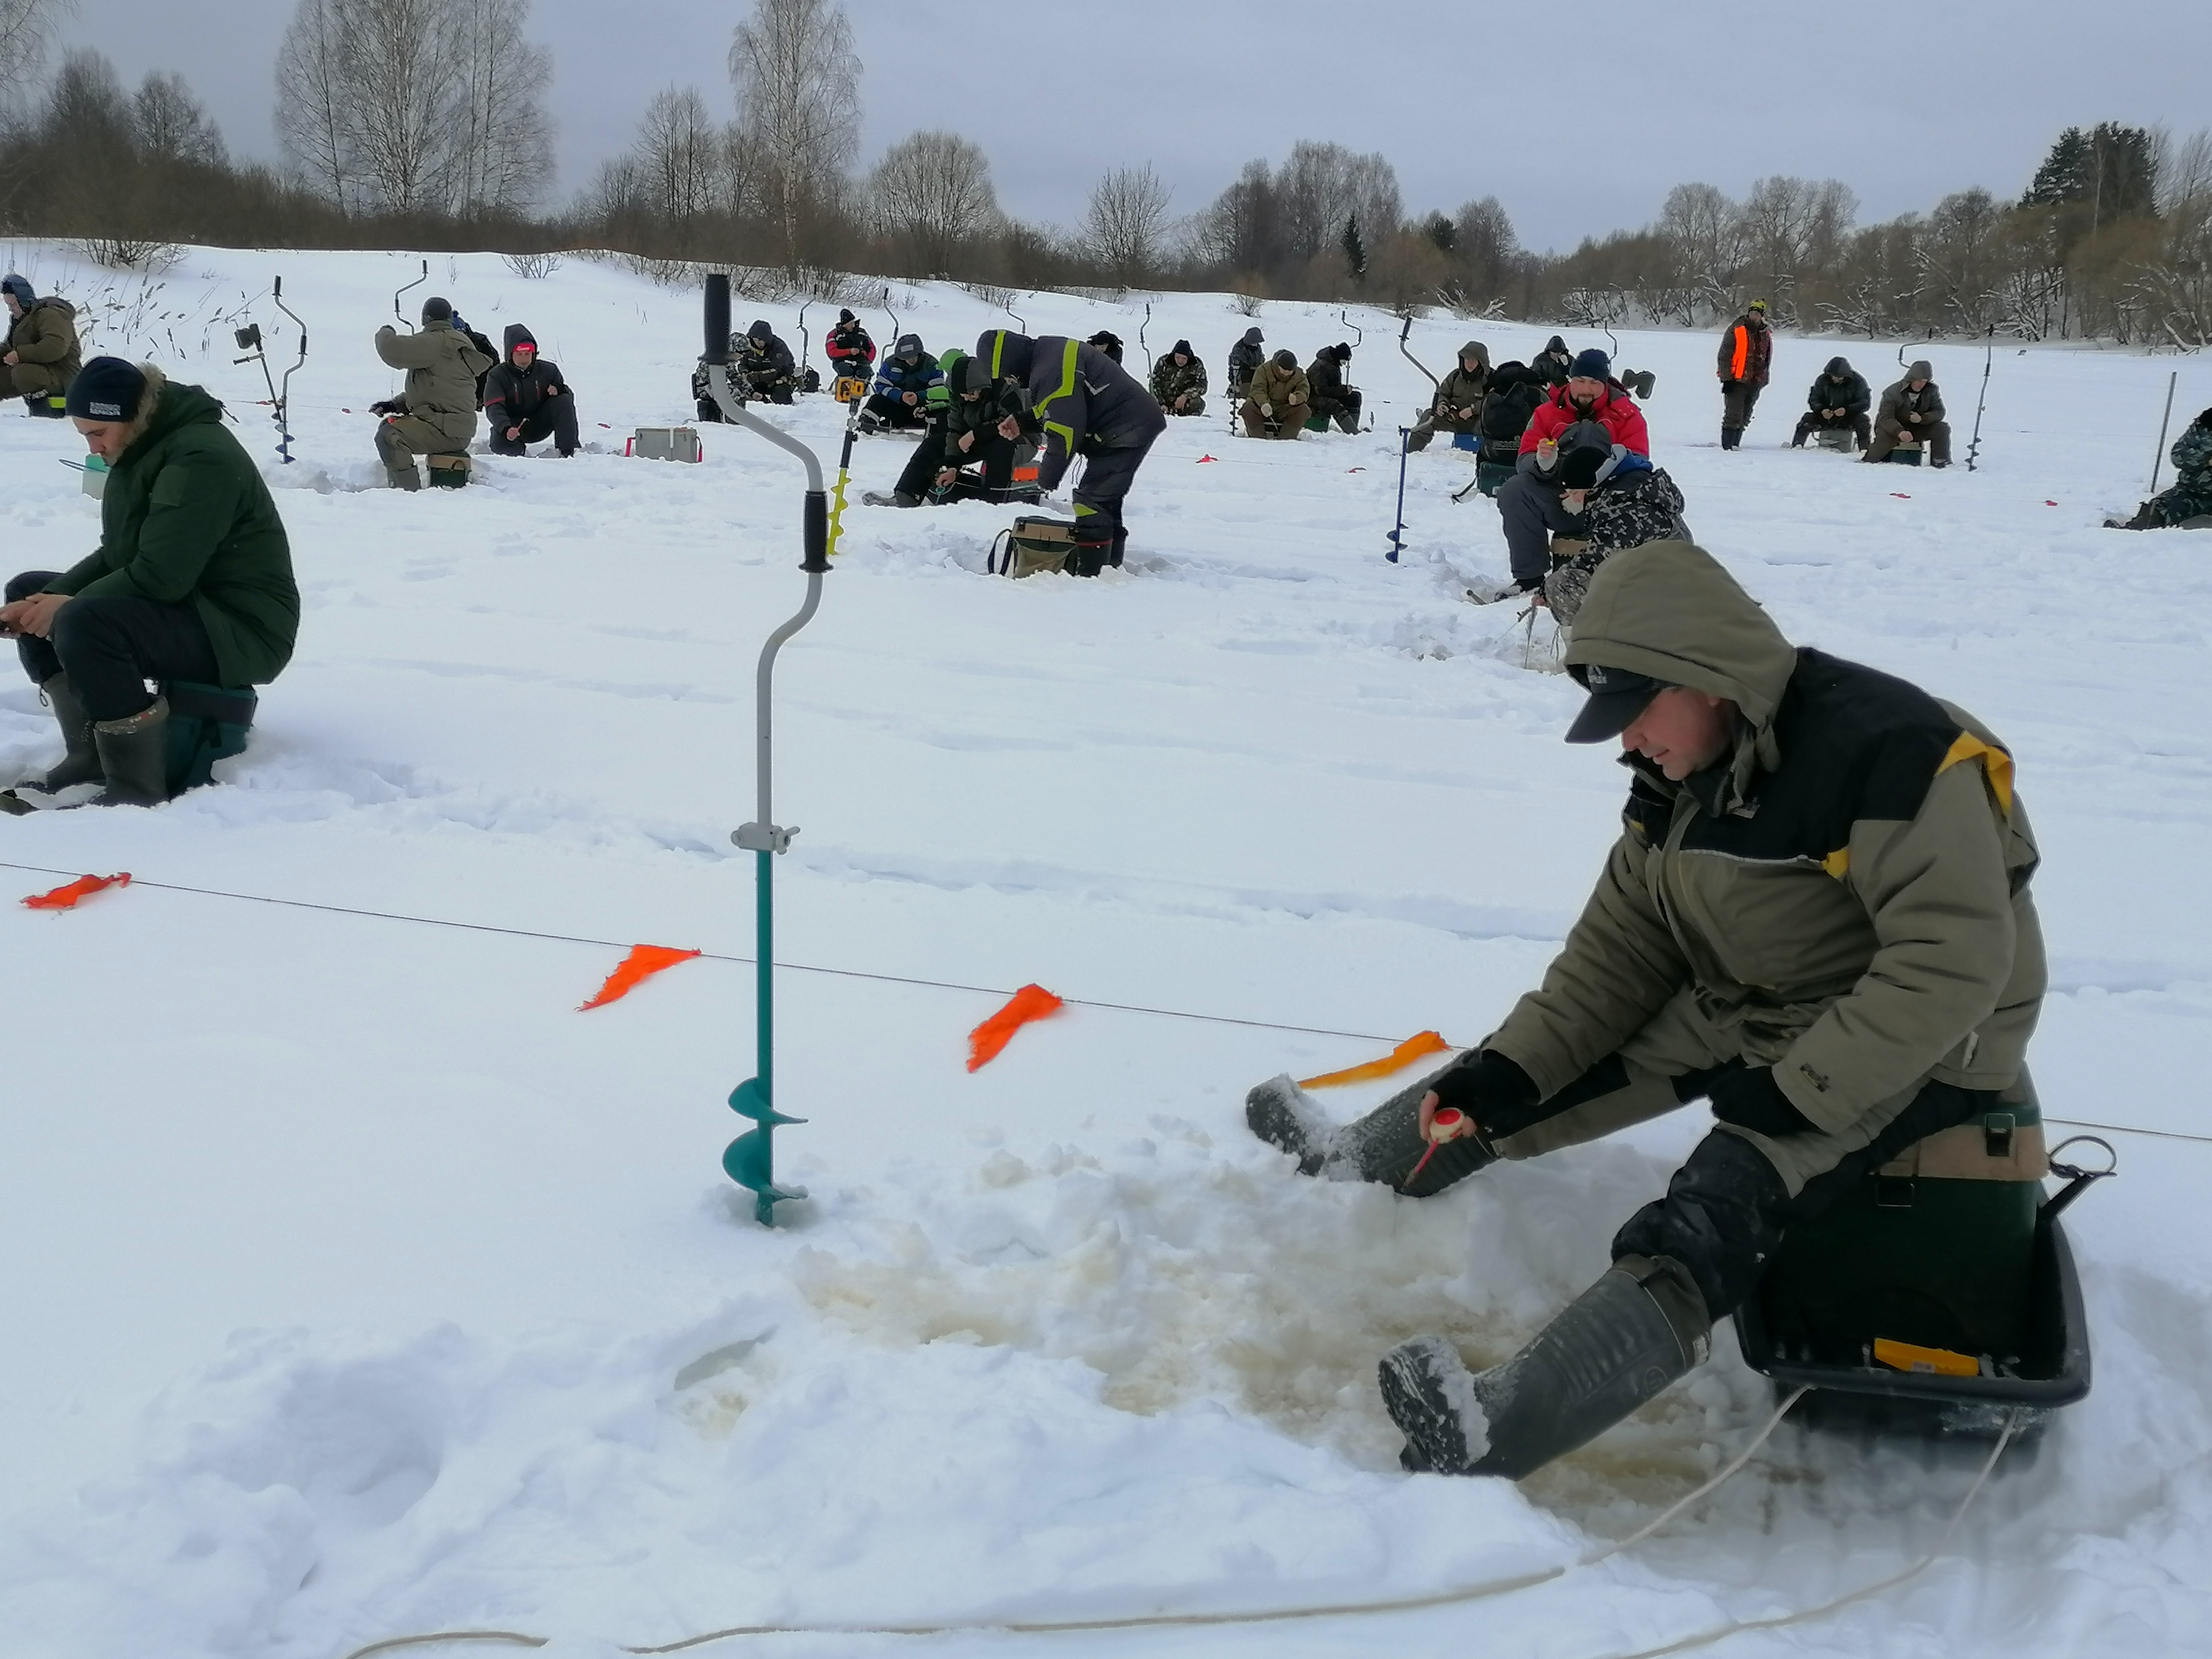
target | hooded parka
x=47, y=353
x=441, y=393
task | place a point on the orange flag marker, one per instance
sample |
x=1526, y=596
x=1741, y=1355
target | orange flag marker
x=642, y=963
x=66, y=898
x=987, y=1040
x=1426, y=1042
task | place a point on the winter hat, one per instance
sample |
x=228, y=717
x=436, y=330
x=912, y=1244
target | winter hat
x=26, y=295
x=1253, y=337
x=1839, y=367
x=436, y=310
x=844, y=316
x=107, y=389
x=1108, y=342
x=1343, y=352
x=1580, y=469
x=1591, y=365
x=909, y=345
x=1922, y=369
x=1182, y=347
x=1286, y=358
x=2205, y=419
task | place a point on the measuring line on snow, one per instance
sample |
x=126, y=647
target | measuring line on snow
x=1339, y=1610
x=715, y=956
x=881, y=979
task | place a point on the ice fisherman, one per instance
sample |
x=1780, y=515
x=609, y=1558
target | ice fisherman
x=1837, y=401
x=527, y=400
x=1333, y=397
x=1619, y=500
x=436, y=413
x=901, y=396
x=1179, y=380
x=1457, y=406
x=1244, y=360
x=1276, y=398
x=191, y=581
x=1912, y=412
x=1075, y=400
x=2188, y=502
x=42, y=355
x=963, y=455
x=1529, y=502
x=1817, y=918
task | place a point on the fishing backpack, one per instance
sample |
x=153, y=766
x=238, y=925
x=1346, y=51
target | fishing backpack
x=207, y=723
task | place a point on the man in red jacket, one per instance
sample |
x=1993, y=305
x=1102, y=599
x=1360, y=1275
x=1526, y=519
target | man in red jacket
x=1747, y=352
x=1529, y=502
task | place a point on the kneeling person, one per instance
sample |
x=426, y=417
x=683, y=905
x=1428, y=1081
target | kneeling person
x=2189, y=501
x=1817, y=917
x=1179, y=381
x=436, y=414
x=192, y=580
x=527, y=401
x=1278, y=396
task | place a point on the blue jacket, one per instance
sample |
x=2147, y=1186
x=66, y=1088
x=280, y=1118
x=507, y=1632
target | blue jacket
x=894, y=378
x=1079, y=399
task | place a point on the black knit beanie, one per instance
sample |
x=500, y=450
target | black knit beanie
x=107, y=389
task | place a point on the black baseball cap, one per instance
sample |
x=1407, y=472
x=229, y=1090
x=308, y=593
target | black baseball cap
x=1616, y=698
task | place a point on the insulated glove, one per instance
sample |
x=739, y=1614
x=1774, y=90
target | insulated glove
x=1492, y=1089
x=387, y=407
x=1268, y=411
x=1751, y=1099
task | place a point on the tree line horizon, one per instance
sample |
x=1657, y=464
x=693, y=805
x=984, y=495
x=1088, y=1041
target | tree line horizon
x=425, y=125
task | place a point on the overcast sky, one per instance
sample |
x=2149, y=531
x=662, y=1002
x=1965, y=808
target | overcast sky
x=1578, y=117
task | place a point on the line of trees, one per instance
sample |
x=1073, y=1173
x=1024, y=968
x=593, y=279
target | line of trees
x=427, y=123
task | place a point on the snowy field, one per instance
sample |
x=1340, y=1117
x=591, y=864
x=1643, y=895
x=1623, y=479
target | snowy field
x=354, y=1285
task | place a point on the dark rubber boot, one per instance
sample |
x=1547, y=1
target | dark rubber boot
x=134, y=754
x=81, y=764
x=1383, y=1146
x=2143, y=520
x=1731, y=436
x=1623, y=1341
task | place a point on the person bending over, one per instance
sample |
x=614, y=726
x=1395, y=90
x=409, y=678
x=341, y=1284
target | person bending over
x=1817, y=918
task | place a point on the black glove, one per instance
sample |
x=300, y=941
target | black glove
x=1751, y=1099
x=1492, y=1089
x=389, y=406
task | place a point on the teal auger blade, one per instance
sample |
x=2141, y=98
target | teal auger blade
x=747, y=1100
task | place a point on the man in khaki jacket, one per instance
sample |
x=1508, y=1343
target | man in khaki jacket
x=1279, y=393
x=436, y=414
x=1817, y=918
x=41, y=356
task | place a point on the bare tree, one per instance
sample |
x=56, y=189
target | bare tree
x=404, y=80
x=679, y=151
x=1243, y=230
x=26, y=35
x=502, y=134
x=1127, y=226
x=1483, y=240
x=932, y=191
x=1705, y=230
x=798, y=82
x=170, y=122
x=1321, y=186
x=316, y=120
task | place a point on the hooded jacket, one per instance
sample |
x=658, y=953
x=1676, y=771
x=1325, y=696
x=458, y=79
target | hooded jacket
x=186, y=519
x=1614, y=411
x=769, y=364
x=513, y=394
x=1460, y=390
x=1079, y=399
x=1851, y=396
x=896, y=377
x=44, y=340
x=1843, y=896
x=1554, y=362
x=1171, y=380
x=1900, y=400
x=1746, y=352
x=1279, y=386
x=441, y=376
x=1246, y=355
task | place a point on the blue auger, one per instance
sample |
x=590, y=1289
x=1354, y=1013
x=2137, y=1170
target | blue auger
x=750, y=1158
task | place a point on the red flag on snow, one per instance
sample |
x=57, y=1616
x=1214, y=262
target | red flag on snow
x=642, y=963
x=66, y=898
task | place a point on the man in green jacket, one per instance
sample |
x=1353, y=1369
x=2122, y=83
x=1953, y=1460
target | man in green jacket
x=436, y=414
x=1457, y=406
x=42, y=355
x=1179, y=380
x=1817, y=918
x=192, y=580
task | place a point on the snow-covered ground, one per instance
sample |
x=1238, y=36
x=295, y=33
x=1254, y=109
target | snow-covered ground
x=354, y=1285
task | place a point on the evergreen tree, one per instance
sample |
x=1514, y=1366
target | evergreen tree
x=1441, y=232
x=1355, y=251
x=2064, y=176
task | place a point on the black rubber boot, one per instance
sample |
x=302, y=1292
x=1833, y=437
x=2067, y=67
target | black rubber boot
x=81, y=764
x=2143, y=519
x=1623, y=1341
x=134, y=754
x=1731, y=436
x=1383, y=1146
